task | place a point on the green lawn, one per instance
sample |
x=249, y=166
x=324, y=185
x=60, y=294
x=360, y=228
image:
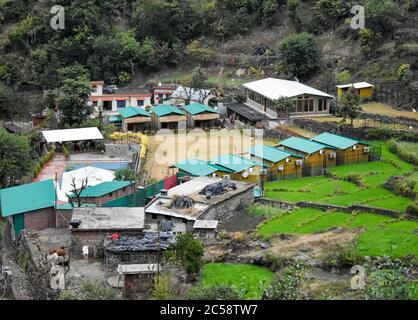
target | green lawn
x=243, y=276
x=339, y=192
x=381, y=236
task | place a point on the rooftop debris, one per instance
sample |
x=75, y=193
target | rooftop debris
x=182, y=202
x=148, y=242
x=218, y=188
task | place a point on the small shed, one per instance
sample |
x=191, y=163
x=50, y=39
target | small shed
x=363, y=89
x=135, y=119
x=348, y=150
x=137, y=278
x=200, y=115
x=205, y=229
x=168, y=117
x=73, y=135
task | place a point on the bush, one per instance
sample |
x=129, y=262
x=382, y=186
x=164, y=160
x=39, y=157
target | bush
x=199, y=53
x=217, y=292
x=300, y=55
x=163, y=288
x=94, y=290
x=413, y=209
x=188, y=252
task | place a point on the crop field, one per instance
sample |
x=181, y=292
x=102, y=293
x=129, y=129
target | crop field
x=381, y=235
x=338, y=191
x=244, y=277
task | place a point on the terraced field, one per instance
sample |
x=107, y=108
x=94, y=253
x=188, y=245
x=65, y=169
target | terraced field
x=336, y=190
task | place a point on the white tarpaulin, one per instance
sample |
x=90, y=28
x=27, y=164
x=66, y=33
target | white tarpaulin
x=80, y=134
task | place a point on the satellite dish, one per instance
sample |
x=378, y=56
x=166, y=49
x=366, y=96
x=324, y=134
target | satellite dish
x=245, y=174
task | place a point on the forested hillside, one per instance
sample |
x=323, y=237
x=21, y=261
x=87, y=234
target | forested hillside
x=121, y=40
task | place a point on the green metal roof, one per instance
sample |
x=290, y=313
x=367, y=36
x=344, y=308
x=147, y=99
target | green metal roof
x=336, y=141
x=235, y=163
x=115, y=119
x=271, y=154
x=303, y=145
x=103, y=188
x=131, y=112
x=197, y=108
x=27, y=197
x=165, y=110
x=199, y=168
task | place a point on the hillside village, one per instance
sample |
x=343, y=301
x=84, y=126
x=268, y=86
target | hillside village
x=223, y=176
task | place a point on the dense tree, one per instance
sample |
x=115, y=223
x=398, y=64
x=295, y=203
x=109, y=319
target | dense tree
x=300, y=55
x=196, y=83
x=15, y=158
x=350, y=107
x=188, y=252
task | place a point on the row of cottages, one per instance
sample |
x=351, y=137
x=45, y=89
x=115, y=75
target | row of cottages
x=363, y=89
x=228, y=166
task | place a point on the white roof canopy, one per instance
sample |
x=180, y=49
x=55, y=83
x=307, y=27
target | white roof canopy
x=80, y=134
x=274, y=89
x=358, y=85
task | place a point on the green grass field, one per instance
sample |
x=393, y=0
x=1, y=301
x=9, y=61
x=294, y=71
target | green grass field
x=381, y=236
x=244, y=277
x=340, y=192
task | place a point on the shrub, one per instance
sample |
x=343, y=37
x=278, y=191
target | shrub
x=413, y=209
x=188, y=252
x=163, y=288
x=344, y=258
x=276, y=262
x=94, y=290
x=199, y=53
x=216, y=292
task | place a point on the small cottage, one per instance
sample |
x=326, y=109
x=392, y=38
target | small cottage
x=135, y=119
x=282, y=164
x=205, y=229
x=201, y=116
x=200, y=168
x=363, y=89
x=348, y=150
x=168, y=117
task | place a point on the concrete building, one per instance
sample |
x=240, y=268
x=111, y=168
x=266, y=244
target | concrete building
x=199, y=206
x=162, y=92
x=205, y=229
x=261, y=95
x=121, y=98
x=90, y=226
x=104, y=192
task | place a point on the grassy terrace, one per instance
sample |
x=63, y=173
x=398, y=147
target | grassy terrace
x=244, y=277
x=381, y=236
x=339, y=192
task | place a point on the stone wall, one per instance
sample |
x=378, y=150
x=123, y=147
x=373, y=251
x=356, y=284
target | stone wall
x=112, y=259
x=229, y=207
x=40, y=219
x=327, y=207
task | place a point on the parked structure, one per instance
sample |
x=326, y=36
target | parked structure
x=282, y=164
x=168, y=117
x=201, y=116
x=243, y=169
x=363, y=89
x=261, y=95
x=110, y=103
x=105, y=191
x=348, y=150
x=90, y=226
x=317, y=157
x=134, y=119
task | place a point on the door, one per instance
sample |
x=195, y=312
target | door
x=19, y=223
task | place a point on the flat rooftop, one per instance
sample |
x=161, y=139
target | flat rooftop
x=192, y=188
x=102, y=219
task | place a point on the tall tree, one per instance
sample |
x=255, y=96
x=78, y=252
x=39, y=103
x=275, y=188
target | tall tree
x=15, y=158
x=350, y=107
x=196, y=84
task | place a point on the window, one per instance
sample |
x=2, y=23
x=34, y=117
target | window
x=110, y=194
x=141, y=103
x=300, y=106
x=320, y=105
x=154, y=217
x=306, y=105
x=121, y=103
x=311, y=106
x=94, y=89
x=124, y=189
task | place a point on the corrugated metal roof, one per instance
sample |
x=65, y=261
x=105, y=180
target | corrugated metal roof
x=235, y=163
x=197, y=108
x=131, y=112
x=165, y=110
x=303, y=145
x=103, y=188
x=115, y=119
x=335, y=141
x=27, y=197
x=199, y=168
x=271, y=154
